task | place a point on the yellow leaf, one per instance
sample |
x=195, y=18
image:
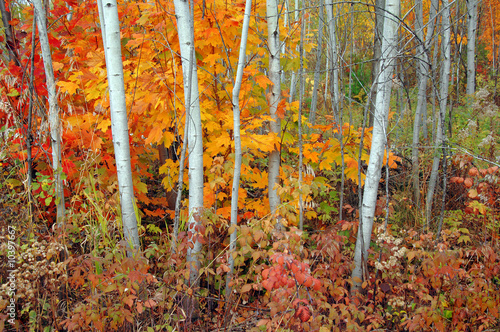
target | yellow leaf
x=104, y=125
x=141, y=187
x=154, y=135
x=68, y=87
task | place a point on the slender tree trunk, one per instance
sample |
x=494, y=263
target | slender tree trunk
x=379, y=139
x=29, y=131
x=274, y=98
x=317, y=70
x=293, y=80
x=423, y=66
x=334, y=59
x=10, y=41
x=301, y=99
x=54, y=120
x=471, y=46
x=237, y=143
x=377, y=52
x=443, y=98
x=185, y=30
x=110, y=28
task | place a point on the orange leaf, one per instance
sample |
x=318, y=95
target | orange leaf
x=468, y=182
x=473, y=171
x=265, y=273
x=300, y=278
x=473, y=193
x=246, y=288
x=150, y=303
x=267, y=284
x=140, y=308
x=317, y=285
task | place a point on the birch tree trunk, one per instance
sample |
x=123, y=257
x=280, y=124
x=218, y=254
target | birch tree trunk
x=293, y=83
x=333, y=58
x=379, y=140
x=301, y=99
x=422, y=77
x=110, y=29
x=443, y=98
x=237, y=143
x=471, y=46
x=317, y=69
x=54, y=120
x=377, y=53
x=185, y=30
x=293, y=80
x=274, y=98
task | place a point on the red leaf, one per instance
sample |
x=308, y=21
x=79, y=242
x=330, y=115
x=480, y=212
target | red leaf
x=303, y=313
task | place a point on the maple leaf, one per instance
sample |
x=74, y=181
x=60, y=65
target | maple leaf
x=68, y=87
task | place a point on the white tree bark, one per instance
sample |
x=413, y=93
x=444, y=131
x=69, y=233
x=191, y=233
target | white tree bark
x=274, y=99
x=301, y=98
x=443, y=98
x=54, y=120
x=422, y=77
x=380, y=15
x=293, y=80
x=471, y=46
x=185, y=30
x=317, y=69
x=333, y=59
x=110, y=28
x=379, y=140
x=237, y=142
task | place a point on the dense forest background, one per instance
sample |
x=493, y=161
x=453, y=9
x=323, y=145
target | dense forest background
x=250, y=166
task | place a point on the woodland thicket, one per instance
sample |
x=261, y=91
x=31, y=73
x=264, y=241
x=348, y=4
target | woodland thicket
x=290, y=267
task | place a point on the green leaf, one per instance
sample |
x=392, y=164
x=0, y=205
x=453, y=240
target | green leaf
x=464, y=238
x=13, y=183
x=448, y=314
x=13, y=93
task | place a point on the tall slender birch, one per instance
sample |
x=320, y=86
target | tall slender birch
x=471, y=46
x=317, y=69
x=443, y=99
x=293, y=80
x=379, y=140
x=377, y=51
x=274, y=99
x=333, y=48
x=422, y=77
x=110, y=29
x=301, y=98
x=237, y=142
x=54, y=119
x=337, y=112
x=185, y=31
